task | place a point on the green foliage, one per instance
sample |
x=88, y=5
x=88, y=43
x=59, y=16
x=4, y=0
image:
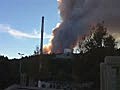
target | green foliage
x=8, y=72
x=37, y=51
x=99, y=38
x=97, y=46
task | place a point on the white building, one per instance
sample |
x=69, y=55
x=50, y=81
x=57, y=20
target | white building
x=110, y=73
x=66, y=55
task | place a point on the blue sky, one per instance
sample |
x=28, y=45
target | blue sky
x=20, y=22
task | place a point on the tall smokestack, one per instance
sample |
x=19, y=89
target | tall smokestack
x=42, y=30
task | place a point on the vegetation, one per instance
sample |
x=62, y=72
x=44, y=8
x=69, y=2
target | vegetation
x=98, y=38
x=96, y=47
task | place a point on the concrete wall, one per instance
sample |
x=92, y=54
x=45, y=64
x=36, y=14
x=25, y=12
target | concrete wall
x=110, y=73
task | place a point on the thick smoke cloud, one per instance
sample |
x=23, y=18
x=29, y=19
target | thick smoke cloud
x=77, y=15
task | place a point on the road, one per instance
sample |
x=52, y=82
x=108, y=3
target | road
x=17, y=87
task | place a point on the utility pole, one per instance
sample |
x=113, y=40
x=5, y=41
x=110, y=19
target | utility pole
x=20, y=66
x=42, y=31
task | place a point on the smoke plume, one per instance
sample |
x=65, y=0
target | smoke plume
x=76, y=17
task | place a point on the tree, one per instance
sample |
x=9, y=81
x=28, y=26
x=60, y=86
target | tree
x=37, y=51
x=96, y=47
x=99, y=38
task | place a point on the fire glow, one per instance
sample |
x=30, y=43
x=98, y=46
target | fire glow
x=47, y=49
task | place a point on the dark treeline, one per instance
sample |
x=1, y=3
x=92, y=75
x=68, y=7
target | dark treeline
x=81, y=68
x=38, y=67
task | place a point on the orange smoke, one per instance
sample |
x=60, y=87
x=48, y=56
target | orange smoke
x=59, y=1
x=47, y=49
